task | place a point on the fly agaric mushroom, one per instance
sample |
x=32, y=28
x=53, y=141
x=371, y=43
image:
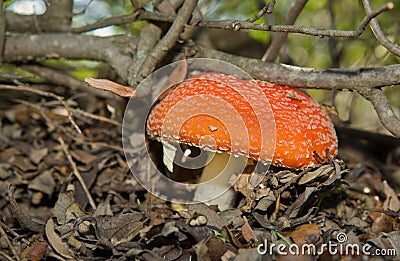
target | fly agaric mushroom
x=249, y=119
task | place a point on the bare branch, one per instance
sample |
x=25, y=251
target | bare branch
x=238, y=25
x=169, y=40
x=61, y=78
x=267, y=9
x=376, y=29
x=243, y=25
x=113, y=50
x=328, y=79
x=77, y=173
x=279, y=39
x=149, y=37
x=46, y=23
x=116, y=20
x=385, y=112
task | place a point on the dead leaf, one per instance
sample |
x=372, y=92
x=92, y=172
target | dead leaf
x=212, y=249
x=312, y=175
x=306, y=234
x=107, y=226
x=110, y=86
x=55, y=240
x=391, y=202
x=297, y=206
x=381, y=223
x=22, y=163
x=83, y=157
x=246, y=254
x=212, y=217
x=232, y=217
x=127, y=232
x=36, y=155
x=388, y=241
x=60, y=208
x=44, y=183
x=247, y=232
x=35, y=252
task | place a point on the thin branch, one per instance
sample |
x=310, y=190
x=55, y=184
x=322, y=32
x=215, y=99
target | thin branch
x=376, y=29
x=20, y=23
x=243, y=25
x=267, y=9
x=169, y=39
x=385, y=112
x=20, y=48
x=45, y=94
x=9, y=244
x=277, y=42
x=96, y=117
x=238, y=25
x=116, y=20
x=328, y=79
x=61, y=78
x=77, y=173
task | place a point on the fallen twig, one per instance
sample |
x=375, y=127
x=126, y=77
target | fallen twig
x=77, y=173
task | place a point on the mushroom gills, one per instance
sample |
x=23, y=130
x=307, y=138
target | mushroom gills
x=218, y=174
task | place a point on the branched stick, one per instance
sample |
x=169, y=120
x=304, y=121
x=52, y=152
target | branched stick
x=328, y=79
x=21, y=23
x=267, y=9
x=238, y=25
x=376, y=29
x=244, y=25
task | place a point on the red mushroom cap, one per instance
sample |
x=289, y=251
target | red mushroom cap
x=220, y=112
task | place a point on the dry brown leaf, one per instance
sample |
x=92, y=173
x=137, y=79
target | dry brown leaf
x=382, y=223
x=212, y=217
x=36, y=155
x=44, y=183
x=35, y=252
x=247, y=232
x=55, y=240
x=110, y=86
x=306, y=234
x=127, y=232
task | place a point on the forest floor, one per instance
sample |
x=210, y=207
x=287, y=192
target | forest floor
x=339, y=209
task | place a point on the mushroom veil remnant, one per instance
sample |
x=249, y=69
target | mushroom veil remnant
x=248, y=119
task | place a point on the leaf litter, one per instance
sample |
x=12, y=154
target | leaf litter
x=46, y=214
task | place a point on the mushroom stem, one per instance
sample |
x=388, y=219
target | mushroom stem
x=219, y=172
